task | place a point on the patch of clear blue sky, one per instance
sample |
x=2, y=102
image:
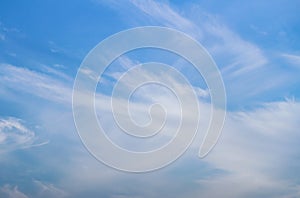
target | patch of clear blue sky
x=70, y=29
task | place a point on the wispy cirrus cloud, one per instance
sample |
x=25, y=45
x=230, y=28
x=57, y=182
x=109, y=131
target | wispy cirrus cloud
x=166, y=16
x=41, y=189
x=242, y=55
x=12, y=192
x=239, y=59
x=36, y=83
x=293, y=59
x=14, y=134
x=49, y=190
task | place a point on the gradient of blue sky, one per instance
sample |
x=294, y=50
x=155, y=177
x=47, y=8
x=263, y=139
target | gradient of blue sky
x=255, y=44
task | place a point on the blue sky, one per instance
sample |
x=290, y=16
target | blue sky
x=256, y=46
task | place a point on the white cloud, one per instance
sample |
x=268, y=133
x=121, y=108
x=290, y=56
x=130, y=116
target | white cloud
x=14, y=134
x=35, y=83
x=258, y=30
x=4, y=31
x=126, y=62
x=293, y=59
x=12, y=192
x=242, y=62
x=49, y=190
x=60, y=66
x=40, y=189
x=54, y=48
x=89, y=73
x=251, y=143
x=254, y=149
x=241, y=55
x=55, y=72
x=139, y=106
x=164, y=14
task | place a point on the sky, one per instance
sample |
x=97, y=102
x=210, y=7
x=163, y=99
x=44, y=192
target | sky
x=255, y=45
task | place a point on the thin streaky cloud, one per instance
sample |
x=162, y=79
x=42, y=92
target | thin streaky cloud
x=14, y=134
x=36, y=83
x=164, y=14
x=247, y=55
x=12, y=192
x=293, y=59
